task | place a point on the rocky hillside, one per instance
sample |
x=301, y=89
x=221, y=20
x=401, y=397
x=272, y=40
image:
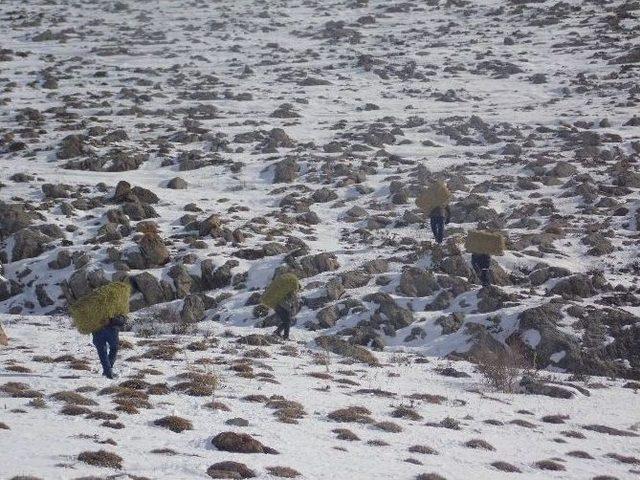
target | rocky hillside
x=197, y=147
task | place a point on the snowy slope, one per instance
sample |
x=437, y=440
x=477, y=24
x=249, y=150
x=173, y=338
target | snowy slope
x=522, y=429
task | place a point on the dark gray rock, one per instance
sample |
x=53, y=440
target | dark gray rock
x=578, y=285
x=193, y=309
x=415, y=282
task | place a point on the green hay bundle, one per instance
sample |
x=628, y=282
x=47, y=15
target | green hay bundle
x=93, y=311
x=480, y=241
x=280, y=287
x=437, y=195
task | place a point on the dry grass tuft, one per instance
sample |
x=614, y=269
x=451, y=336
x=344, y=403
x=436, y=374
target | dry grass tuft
x=345, y=434
x=423, y=449
x=506, y=467
x=216, y=406
x=174, y=423
x=549, y=465
x=624, y=459
x=351, y=415
x=283, y=472
x=101, y=458
x=406, y=412
x=478, y=443
x=389, y=427
x=19, y=390
x=73, y=398
x=609, y=431
x=430, y=476
x=377, y=443
x=580, y=454
x=500, y=370
x=427, y=397
x=74, y=410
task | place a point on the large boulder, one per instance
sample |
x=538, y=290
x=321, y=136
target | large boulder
x=492, y=298
x=15, y=217
x=220, y=277
x=415, y=282
x=578, y=285
x=82, y=282
x=392, y=314
x=312, y=265
x=29, y=243
x=193, y=309
x=343, y=348
x=153, y=250
x=152, y=290
x=182, y=280
x=542, y=340
x=285, y=171
x=73, y=146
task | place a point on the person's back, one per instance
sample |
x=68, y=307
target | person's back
x=439, y=216
x=286, y=311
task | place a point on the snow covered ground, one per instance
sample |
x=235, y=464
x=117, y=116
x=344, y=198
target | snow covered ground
x=194, y=148
x=520, y=429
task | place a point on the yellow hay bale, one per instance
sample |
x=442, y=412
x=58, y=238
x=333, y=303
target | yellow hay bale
x=437, y=195
x=481, y=241
x=279, y=288
x=93, y=311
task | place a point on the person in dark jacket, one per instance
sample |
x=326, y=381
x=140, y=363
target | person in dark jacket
x=106, y=343
x=286, y=311
x=481, y=264
x=439, y=217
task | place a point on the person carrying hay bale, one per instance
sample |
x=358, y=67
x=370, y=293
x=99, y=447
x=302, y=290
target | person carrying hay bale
x=282, y=296
x=102, y=313
x=482, y=245
x=435, y=201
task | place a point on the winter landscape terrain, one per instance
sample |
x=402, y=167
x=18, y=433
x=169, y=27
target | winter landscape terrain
x=196, y=148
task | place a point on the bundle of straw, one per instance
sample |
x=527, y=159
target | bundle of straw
x=279, y=288
x=437, y=195
x=488, y=243
x=93, y=311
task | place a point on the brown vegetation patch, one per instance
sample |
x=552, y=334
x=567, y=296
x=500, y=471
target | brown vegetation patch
x=73, y=398
x=101, y=458
x=174, y=423
x=351, y=414
x=506, y=467
x=283, y=472
x=406, y=412
x=345, y=434
x=423, y=449
x=549, y=465
x=478, y=443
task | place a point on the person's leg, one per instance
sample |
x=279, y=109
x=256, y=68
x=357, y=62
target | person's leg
x=439, y=229
x=112, y=340
x=434, y=227
x=474, y=264
x=286, y=325
x=279, y=314
x=100, y=342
